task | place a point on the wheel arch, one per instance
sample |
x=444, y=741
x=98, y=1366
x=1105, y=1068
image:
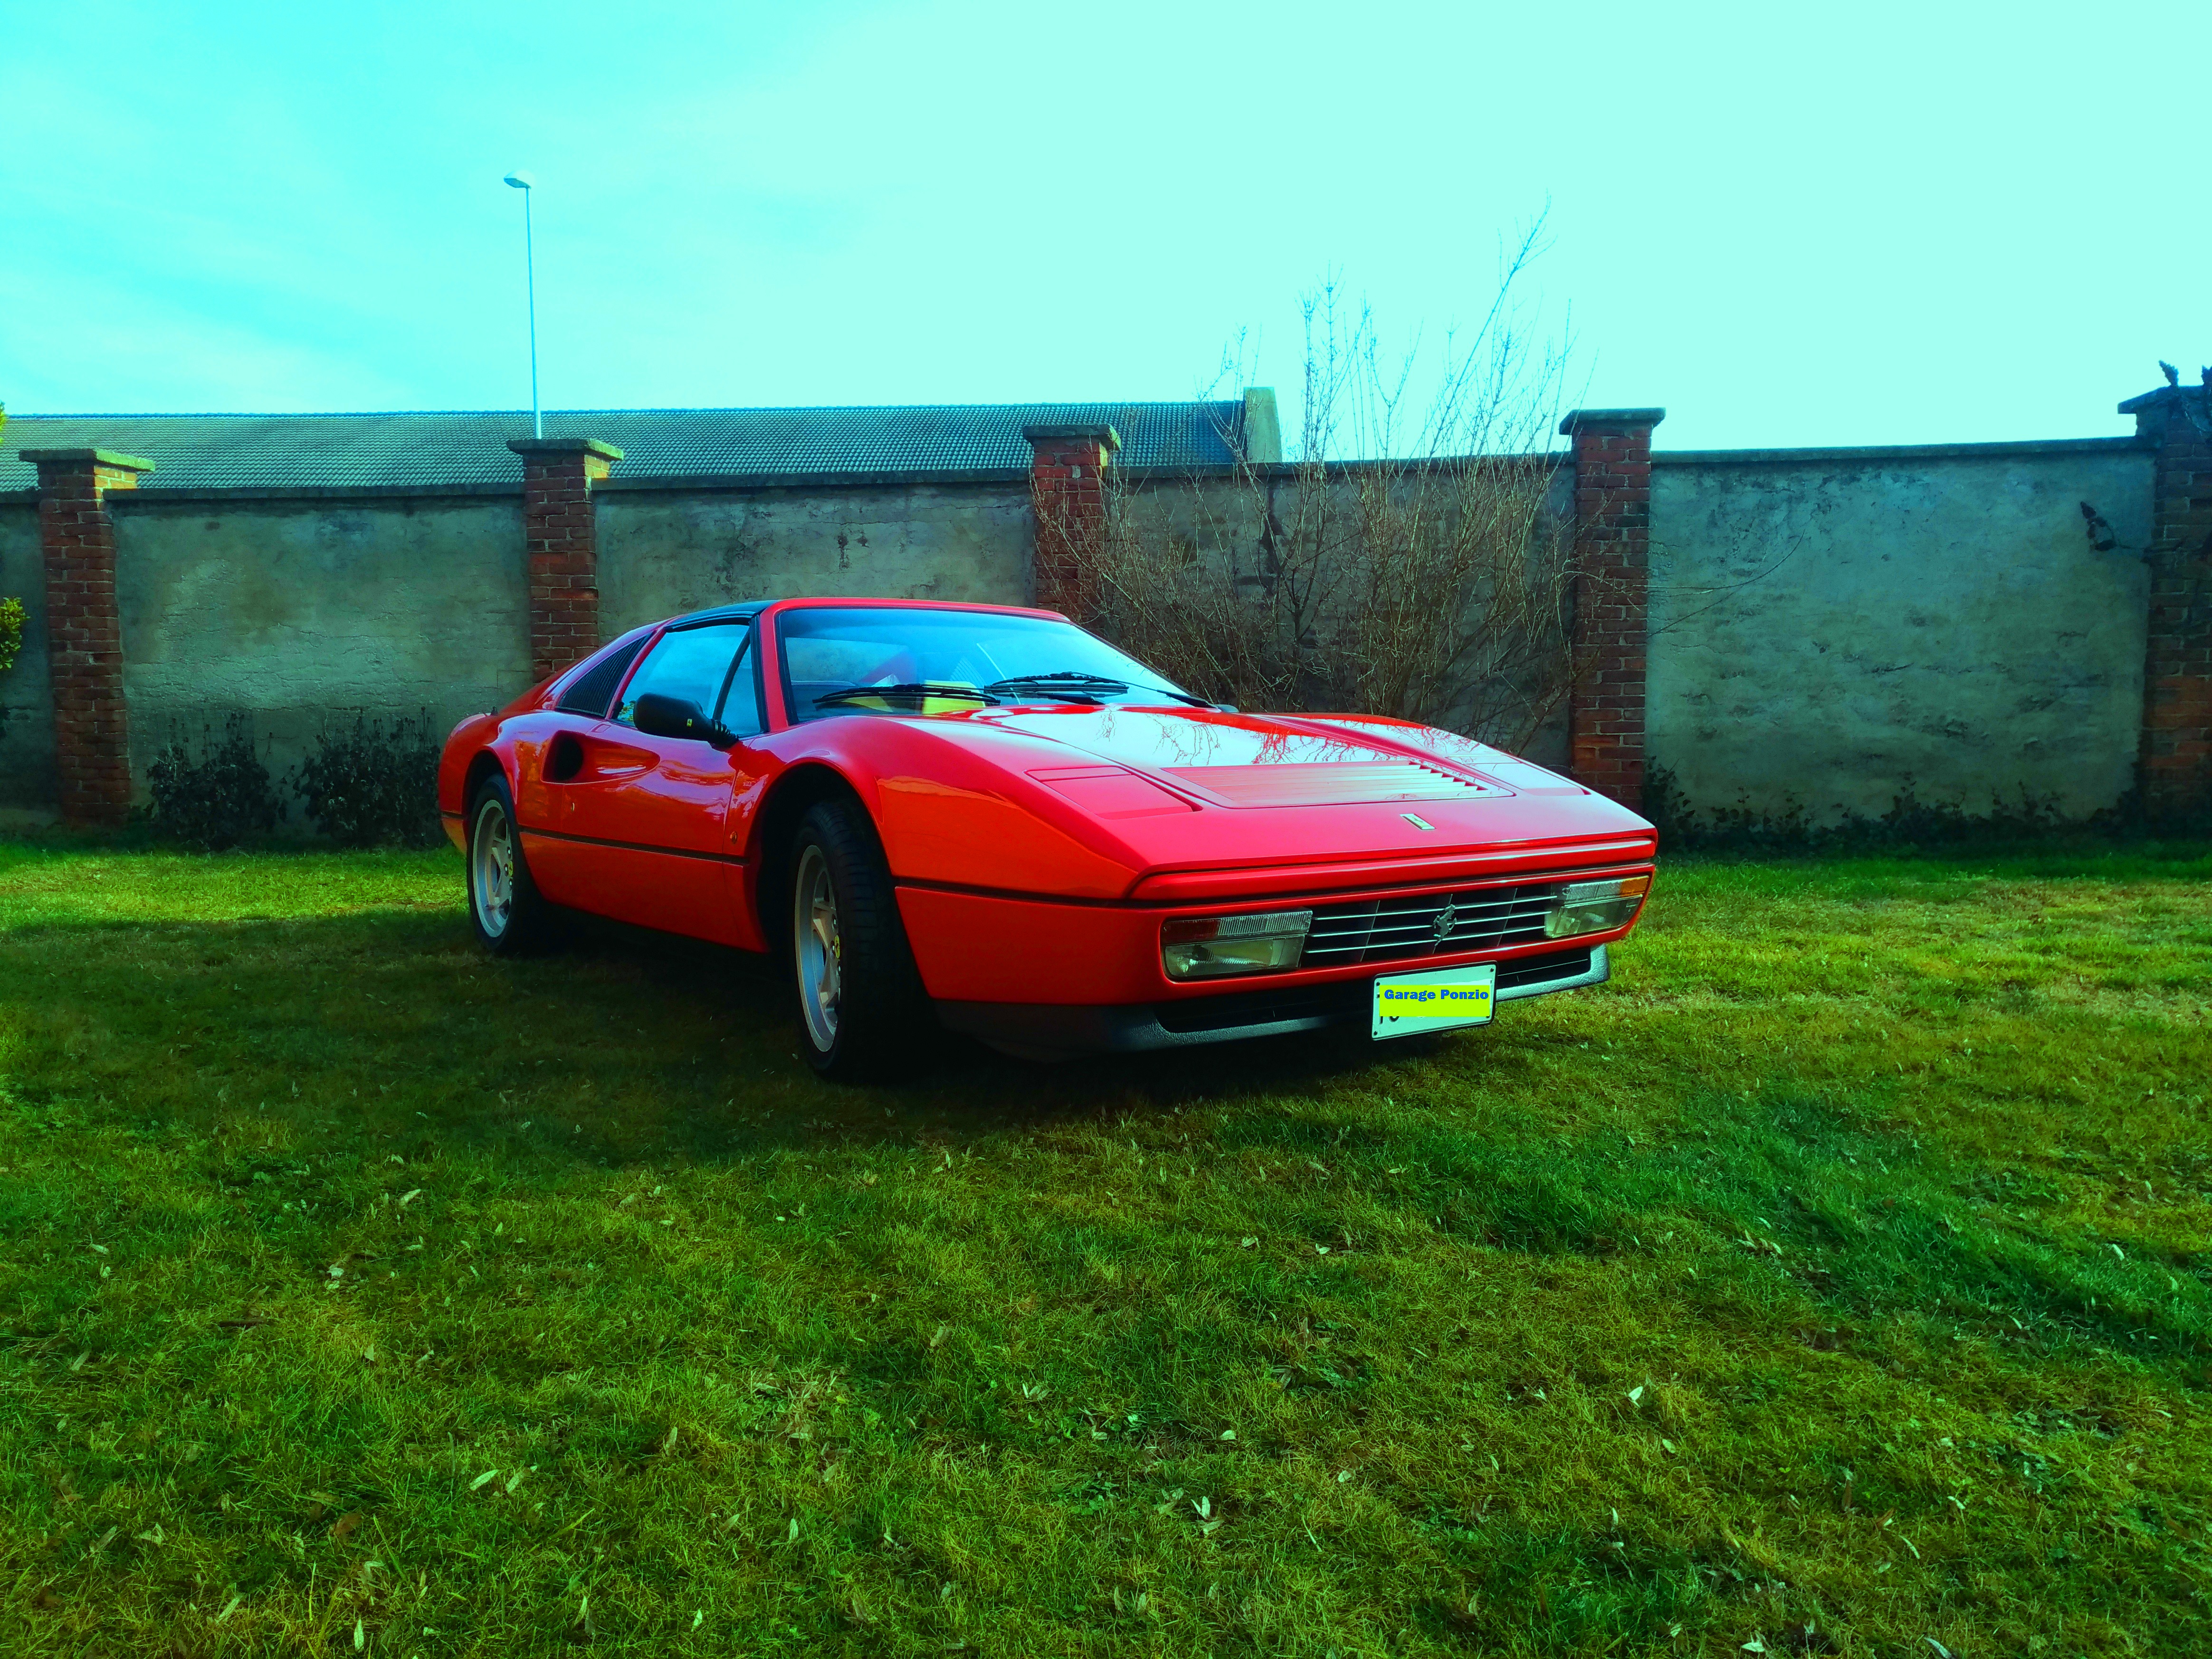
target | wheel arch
x=481, y=765
x=789, y=801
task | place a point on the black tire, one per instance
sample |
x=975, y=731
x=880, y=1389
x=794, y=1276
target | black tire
x=867, y=1019
x=524, y=921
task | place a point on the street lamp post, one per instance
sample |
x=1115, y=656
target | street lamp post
x=522, y=181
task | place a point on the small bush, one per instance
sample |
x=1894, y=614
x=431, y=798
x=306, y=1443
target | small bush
x=374, y=783
x=213, y=795
x=11, y=641
x=1911, y=824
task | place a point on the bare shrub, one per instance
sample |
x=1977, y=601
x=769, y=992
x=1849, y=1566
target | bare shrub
x=1404, y=561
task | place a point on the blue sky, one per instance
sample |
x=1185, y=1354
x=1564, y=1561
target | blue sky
x=1788, y=225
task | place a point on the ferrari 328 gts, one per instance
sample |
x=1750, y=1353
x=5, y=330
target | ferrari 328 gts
x=987, y=818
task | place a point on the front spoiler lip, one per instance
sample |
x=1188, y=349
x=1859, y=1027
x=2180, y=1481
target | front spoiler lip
x=1044, y=1031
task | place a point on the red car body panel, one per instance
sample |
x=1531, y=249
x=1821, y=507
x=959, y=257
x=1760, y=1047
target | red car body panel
x=1037, y=849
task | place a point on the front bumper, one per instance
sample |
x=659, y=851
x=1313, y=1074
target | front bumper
x=1054, y=1030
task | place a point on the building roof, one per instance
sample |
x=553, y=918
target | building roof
x=418, y=449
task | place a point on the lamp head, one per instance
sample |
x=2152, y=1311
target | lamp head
x=521, y=180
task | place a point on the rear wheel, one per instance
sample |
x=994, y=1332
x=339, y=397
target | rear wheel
x=509, y=914
x=860, y=1001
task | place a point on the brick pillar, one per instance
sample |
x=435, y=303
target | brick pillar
x=561, y=538
x=84, y=630
x=1612, y=552
x=2176, y=755
x=1067, y=489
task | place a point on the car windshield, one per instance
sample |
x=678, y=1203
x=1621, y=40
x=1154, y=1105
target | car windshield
x=848, y=660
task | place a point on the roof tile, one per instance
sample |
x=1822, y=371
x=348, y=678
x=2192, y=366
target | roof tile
x=337, y=452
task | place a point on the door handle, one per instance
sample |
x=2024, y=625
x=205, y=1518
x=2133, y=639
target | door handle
x=575, y=757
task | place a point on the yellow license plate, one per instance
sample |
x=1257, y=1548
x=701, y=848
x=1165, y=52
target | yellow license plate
x=1408, y=1004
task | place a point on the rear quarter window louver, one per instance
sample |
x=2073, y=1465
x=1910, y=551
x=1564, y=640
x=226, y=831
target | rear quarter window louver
x=591, y=691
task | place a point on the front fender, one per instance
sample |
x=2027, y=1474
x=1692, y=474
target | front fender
x=466, y=741
x=962, y=810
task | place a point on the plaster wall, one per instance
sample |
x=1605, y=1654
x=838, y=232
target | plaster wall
x=28, y=782
x=663, y=552
x=1829, y=630
x=300, y=613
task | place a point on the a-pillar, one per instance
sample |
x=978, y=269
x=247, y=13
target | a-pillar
x=1612, y=560
x=2176, y=753
x=560, y=539
x=1068, y=489
x=84, y=628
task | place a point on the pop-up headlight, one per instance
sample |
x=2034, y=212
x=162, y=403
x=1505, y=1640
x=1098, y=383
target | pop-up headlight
x=1594, y=906
x=1207, y=947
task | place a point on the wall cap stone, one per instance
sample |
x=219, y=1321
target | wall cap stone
x=2166, y=394
x=1581, y=419
x=684, y=483
x=1896, y=451
x=94, y=457
x=1104, y=435
x=155, y=495
x=564, y=446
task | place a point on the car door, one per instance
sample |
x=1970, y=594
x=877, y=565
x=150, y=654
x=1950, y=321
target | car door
x=640, y=822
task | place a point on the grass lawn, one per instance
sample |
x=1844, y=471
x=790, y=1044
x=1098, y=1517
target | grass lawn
x=1834, y=1281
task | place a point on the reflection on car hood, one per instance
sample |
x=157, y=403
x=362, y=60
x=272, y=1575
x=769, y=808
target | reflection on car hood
x=1258, y=760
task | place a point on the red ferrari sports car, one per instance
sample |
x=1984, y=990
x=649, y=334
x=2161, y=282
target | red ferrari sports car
x=990, y=817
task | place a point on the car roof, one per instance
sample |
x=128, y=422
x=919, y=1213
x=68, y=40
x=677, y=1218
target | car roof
x=744, y=610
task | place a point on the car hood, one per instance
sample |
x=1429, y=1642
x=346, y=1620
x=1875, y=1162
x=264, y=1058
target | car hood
x=1192, y=789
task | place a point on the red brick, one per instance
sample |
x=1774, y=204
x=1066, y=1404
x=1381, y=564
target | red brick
x=2176, y=754
x=1612, y=547
x=561, y=545
x=84, y=641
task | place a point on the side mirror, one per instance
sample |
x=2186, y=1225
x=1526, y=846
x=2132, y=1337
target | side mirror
x=659, y=716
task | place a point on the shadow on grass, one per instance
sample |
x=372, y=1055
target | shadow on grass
x=638, y=1044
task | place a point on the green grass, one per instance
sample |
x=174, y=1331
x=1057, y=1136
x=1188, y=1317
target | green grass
x=1834, y=1279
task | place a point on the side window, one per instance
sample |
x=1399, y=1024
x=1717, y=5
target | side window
x=740, y=710
x=691, y=663
x=588, y=693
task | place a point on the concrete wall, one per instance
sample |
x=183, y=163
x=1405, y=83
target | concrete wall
x=1829, y=626
x=27, y=780
x=665, y=551
x=305, y=609
x=298, y=612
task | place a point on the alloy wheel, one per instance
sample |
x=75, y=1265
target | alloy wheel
x=491, y=869
x=817, y=948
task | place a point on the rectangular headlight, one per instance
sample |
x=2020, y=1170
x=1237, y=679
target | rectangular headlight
x=1594, y=906
x=1207, y=947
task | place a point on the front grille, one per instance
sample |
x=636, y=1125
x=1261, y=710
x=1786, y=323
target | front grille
x=1396, y=929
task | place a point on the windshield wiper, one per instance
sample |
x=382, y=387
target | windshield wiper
x=1060, y=688
x=904, y=691
x=1076, y=683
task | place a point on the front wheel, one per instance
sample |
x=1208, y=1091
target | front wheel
x=860, y=1001
x=509, y=914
